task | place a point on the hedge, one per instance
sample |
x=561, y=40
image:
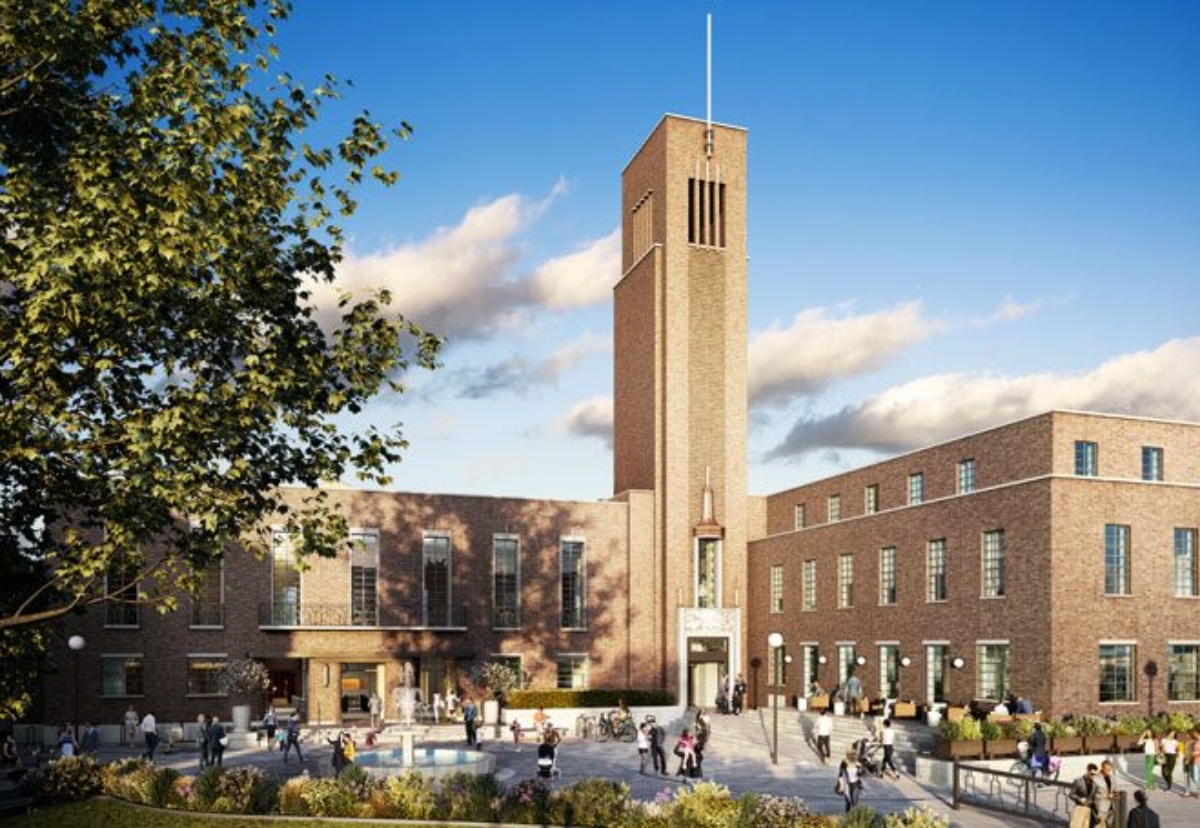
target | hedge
x=531, y=699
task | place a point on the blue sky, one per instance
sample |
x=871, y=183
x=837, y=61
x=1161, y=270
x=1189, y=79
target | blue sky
x=961, y=213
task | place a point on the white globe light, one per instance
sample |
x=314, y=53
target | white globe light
x=76, y=642
x=775, y=639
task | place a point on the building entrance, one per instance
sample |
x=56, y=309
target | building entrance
x=708, y=662
x=359, y=681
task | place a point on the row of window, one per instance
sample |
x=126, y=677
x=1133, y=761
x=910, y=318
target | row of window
x=1087, y=461
x=1119, y=669
x=965, y=484
x=1117, y=566
x=122, y=675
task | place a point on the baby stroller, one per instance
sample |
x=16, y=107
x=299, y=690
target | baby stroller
x=869, y=758
x=547, y=760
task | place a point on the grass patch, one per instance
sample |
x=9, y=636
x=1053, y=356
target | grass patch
x=113, y=814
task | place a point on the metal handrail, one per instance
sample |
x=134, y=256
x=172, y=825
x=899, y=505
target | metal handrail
x=309, y=614
x=1023, y=789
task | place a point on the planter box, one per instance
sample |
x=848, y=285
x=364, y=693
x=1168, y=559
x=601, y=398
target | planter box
x=1125, y=742
x=904, y=710
x=1101, y=744
x=818, y=703
x=1066, y=744
x=1000, y=748
x=961, y=749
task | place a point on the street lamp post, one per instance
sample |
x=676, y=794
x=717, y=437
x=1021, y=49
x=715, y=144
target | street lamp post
x=76, y=643
x=775, y=641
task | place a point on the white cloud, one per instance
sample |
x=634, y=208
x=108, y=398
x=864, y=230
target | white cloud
x=592, y=417
x=579, y=279
x=573, y=353
x=1157, y=383
x=519, y=374
x=820, y=347
x=1011, y=310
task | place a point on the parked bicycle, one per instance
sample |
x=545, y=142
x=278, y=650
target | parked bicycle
x=585, y=726
x=608, y=727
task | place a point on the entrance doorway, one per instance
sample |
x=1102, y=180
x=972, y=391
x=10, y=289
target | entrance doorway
x=708, y=661
x=359, y=681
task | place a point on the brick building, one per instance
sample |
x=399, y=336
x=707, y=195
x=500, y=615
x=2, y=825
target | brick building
x=989, y=549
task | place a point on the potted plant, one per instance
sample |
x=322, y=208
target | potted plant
x=996, y=743
x=499, y=679
x=1064, y=738
x=1126, y=731
x=962, y=739
x=1095, y=732
x=244, y=679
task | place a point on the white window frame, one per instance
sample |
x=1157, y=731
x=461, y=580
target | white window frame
x=505, y=536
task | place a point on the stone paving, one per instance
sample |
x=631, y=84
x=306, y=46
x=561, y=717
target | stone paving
x=738, y=757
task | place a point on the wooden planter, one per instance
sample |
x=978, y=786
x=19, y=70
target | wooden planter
x=961, y=749
x=1103, y=743
x=1000, y=748
x=1125, y=742
x=1066, y=744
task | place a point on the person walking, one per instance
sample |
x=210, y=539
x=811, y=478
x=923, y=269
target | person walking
x=854, y=691
x=469, y=716
x=1149, y=747
x=1103, y=812
x=130, y=726
x=888, y=739
x=1193, y=749
x=149, y=728
x=1083, y=791
x=739, y=694
x=1169, y=745
x=1140, y=816
x=849, y=779
x=202, y=725
x=824, y=734
x=218, y=740
x=293, y=739
x=339, y=751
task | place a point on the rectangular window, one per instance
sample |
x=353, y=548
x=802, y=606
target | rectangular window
x=810, y=656
x=1183, y=681
x=993, y=671
x=436, y=564
x=1087, y=458
x=708, y=573
x=120, y=585
x=506, y=582
x=572, y=672
x=810, y=586
x=845, y=662
x=204, y=674
x=285, y=581
x=121, y=675
x=889, y=671
x=1185, y=563
x=776, y=588
x=845, y=581
x=777, y=667
x=574, y=584
x=887, y=576
x=937, y=657
x=916, y=488
x=208, y=596
x=1116, y=560
x=936, y=566
x=1152, y=463
x=1117, y=672
x=871, y=499
x=364, y=579
x=966, y=476
x=993, y=564
x=799, y=518
x=835, y=508
x=706, y=212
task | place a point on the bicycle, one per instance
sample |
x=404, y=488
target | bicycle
x=623, y=730
x=1026, y=765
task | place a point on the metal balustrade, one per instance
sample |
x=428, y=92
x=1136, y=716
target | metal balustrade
x=306, y=614
x=1048, y=801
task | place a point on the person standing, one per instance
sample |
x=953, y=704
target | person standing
x=339, y=751
x=854, y=693
x=293, y=739
x=270, y=724
x=888, y=739
x=1037, y=749
x=658, y=746
x=131, y=725
x=469, y=714
x=850, y=779
x=643, y=744
x=1105, y=794
x=1140, y=816
x=1169, y=745
x=1194, y=752
x=376, y=708
x=149, y=729
x=66, y=741
x=824, y=734
x=1150, y=754
x=217, y=741
x=739, y=694
x=90, y=740
x=202, y=724
x=1083, y=791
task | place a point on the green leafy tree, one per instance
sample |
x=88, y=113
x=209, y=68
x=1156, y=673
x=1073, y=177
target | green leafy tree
x=163, y=369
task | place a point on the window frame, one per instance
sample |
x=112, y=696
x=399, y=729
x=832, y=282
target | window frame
x=993, y=557
x=809, y=585
x=887, y=576
x=1087, y=458
x=354, y=537
x=937, y=579
x=577, y=665
x=833, y=506
x=125, y=658
x=1152, y=464
x=515, y=575
x=965, y=478
x=1185, y=569
x=1173, y=673
x=221, y=659
x=1118, y=554
x=999, y=669
x=776, y=600
x=846, y=580
x=440, y=616
x=579, y=596
x=1130, y=670
x=916, y=488
x=871, y=499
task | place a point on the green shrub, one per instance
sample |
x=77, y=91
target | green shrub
x=328, y=798
x=162, y=787
x=779, y=812
x=1060, y=729
x=923, y=817
x=705, y=805
x=589, y=802
x=291, y=797
x=1090, y=725
x=528, y=803
x=1181, y=723
x=861, y=816
x=241, y=790
x=964, y=729
x=207, y=788
x=991, y=731
x=532, y=699
x=357, y=781
x=408, y=796
x=463, y=796
x=1128, y=725
x=65, y=780
x=1019, y=729
x=131, y=781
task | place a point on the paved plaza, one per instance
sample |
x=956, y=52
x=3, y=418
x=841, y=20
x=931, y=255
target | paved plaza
x=738, y=757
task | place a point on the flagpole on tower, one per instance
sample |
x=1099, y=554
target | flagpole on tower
x=708, y=131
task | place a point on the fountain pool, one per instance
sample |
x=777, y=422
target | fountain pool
x=434, y=763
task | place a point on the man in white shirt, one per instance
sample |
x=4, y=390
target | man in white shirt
x=150, y=730
x=824, y=732
x=888, y=738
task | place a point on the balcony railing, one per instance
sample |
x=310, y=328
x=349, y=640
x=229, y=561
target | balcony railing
x=288, y=614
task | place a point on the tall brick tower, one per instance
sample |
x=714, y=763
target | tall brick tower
x=680, y=390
